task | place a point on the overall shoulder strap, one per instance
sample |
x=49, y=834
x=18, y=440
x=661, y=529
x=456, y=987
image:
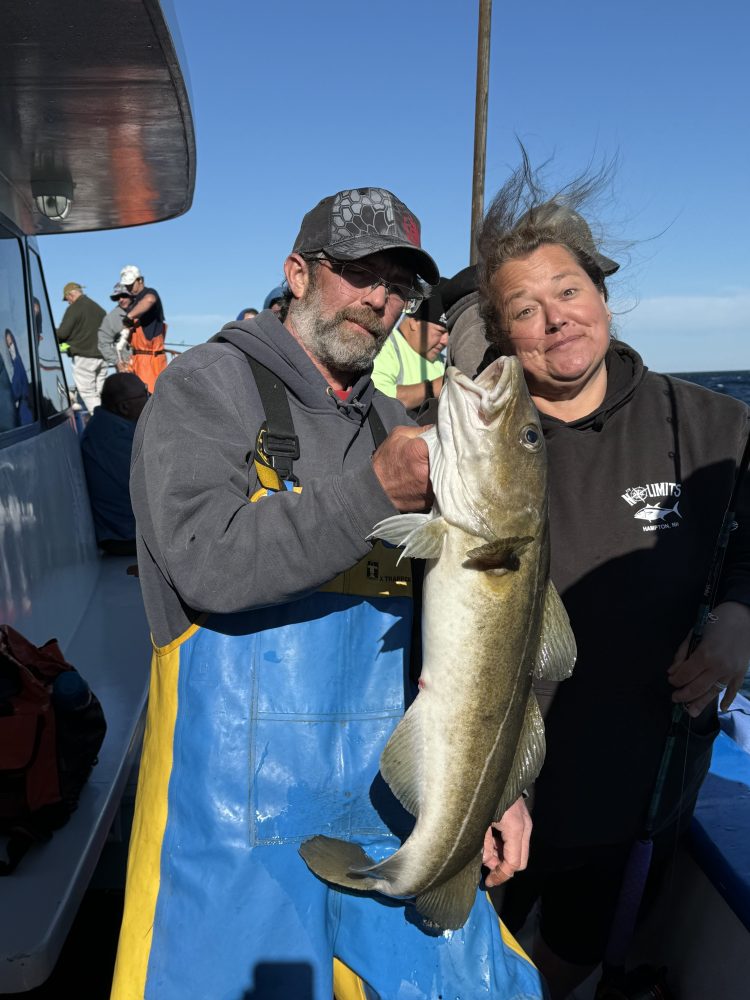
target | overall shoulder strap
x=276, y=446
x=379, y=433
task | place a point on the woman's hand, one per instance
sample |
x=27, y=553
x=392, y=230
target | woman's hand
x=720, y=661
x=506, y=844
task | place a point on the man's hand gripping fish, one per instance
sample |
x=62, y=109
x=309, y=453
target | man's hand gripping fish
x=473, y=738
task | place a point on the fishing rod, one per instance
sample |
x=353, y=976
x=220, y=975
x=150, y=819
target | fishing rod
x=480, y=123
x=639, y=861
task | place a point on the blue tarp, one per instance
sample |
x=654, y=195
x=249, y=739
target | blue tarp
x=722, y=816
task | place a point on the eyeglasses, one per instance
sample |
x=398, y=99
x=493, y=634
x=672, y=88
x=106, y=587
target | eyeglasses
x=358, y=279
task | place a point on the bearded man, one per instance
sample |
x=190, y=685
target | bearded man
x=261, y=464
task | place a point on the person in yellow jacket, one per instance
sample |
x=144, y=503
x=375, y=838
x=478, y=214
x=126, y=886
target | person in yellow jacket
x=410, y=365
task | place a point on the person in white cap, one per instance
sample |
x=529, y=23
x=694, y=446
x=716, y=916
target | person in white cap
x=145, y=320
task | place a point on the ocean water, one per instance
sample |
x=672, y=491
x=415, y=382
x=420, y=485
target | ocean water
x=735, y=384
x=730, y=383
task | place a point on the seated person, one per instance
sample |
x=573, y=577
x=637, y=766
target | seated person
x=409, y=365
x=106, y=445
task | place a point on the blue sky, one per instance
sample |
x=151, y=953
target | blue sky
x=295, y=100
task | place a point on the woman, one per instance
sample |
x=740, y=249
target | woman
x=641, y=470
x=19, y=384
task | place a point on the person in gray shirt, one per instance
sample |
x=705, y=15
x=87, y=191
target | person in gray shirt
x=259, y=467
x=111, y=328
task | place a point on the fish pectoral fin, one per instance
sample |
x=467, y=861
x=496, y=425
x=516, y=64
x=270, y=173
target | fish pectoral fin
x=338, y=861
x=501, y=555
x=400, y=759
x=421, y=535
x=528, y=759
x=397, y=529
x=449, y=904
x=556, y=655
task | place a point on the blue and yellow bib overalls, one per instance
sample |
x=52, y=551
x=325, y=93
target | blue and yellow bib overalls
x=265, y=728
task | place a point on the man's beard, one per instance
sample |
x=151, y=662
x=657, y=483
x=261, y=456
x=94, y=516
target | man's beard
x=334, y=345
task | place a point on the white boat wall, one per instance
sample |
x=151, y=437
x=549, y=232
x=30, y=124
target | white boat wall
x=72, y=105
x=96, y=132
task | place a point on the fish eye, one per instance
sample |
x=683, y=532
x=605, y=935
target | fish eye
x=531, y=438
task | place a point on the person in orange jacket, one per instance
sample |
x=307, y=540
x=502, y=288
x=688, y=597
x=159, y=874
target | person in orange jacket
x=145, y=320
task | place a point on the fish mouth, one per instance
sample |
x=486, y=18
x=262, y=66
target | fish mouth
x=491, y=389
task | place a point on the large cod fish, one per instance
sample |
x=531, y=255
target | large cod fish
x=473, y=738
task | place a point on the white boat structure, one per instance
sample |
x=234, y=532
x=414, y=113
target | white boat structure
x=96, y=132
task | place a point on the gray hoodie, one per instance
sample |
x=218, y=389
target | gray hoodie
x=468, y=347
x=202, y=547
x=108, y=334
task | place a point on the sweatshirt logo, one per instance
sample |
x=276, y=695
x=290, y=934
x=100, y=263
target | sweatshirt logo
x=658, y=505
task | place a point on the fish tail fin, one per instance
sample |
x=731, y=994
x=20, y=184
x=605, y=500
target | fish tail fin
x=340, y=861
x=675, y=509
x=449, y=904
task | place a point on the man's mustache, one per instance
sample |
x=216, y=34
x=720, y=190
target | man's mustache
x=367, y=318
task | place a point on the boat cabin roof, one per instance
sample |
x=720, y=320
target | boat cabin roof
x=96, y=130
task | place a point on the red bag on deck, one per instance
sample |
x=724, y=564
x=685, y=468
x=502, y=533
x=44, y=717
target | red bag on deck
x=51, y=729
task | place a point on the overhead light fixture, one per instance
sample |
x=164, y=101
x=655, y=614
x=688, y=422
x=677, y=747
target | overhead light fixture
x=53, y=198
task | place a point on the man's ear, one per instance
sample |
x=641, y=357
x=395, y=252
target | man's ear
x=297, y=274
x=407, y=324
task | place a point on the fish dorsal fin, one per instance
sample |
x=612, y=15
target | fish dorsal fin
x=556, y=655
x=400, y=762
x=448, y=905
x=501, y=555
x=421, y=535
x=528, y=759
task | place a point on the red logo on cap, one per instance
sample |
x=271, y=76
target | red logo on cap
x=411, y=229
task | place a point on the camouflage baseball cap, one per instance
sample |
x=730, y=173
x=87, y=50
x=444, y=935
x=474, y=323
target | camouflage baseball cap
x=361, y=221
x=120, y=292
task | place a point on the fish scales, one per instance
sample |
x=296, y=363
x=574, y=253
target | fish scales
x=473, y=737
x=470, y=761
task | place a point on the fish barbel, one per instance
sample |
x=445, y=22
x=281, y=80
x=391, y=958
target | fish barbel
x=473, y=738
